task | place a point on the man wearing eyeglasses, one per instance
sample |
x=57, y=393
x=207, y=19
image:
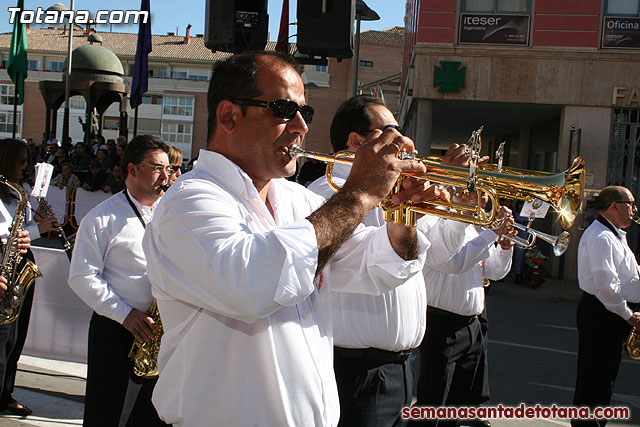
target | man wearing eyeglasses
x=242, y=261
x=608, y=275
x=108, y=272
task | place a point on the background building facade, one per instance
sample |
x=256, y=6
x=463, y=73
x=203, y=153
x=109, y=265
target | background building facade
x=179, y=69
x=554, y=79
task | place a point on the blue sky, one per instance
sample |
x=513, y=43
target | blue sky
x=172, y=15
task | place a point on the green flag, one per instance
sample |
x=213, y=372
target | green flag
x=17, y=66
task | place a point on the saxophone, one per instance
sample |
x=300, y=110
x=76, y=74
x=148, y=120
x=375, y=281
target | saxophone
x=19, y=272
x=633, y=344
x=145, y=355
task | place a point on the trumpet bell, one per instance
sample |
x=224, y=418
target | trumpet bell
x=573, y=191
x=562, y=243
x=563, y=191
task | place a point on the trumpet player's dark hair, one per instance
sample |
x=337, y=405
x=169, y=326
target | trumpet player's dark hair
x=11, y=151
x=237, y=78
x=609, y=195
x=352, y=116
x=138, y=147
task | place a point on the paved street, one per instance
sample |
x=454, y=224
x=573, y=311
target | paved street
x=533, y=344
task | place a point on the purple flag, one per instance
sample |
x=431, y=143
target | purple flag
x=139, y=85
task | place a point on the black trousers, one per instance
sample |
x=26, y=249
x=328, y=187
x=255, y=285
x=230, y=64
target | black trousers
x=8, y=337
x=108, y=372
x=372, y=392
x=22, y=327
x=600, y=337
x=481, y=391
x=452, y=363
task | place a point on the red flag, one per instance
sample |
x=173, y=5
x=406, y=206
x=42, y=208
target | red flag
x=283, y=35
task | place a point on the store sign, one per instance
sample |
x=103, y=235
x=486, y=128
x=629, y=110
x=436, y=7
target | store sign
x=621, y=32
x=626, y=96
x=494, y=29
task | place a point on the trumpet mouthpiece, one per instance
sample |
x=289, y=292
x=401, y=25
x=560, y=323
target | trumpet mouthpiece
x=295, y=151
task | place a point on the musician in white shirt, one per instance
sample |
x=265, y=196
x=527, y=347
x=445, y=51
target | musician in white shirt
x=608, y=275
x=108, y=272
x=13, y=166
x=242, y=261
x=451, y=353
x=373, y=334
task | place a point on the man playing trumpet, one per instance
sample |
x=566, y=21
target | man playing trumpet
x=243, y=262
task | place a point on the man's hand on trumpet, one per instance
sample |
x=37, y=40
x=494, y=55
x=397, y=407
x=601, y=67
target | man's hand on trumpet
x=376, y=168
x=456, y=155
x=505, y=229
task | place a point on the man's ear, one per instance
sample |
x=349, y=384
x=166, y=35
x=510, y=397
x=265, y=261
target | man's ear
x=227, y=116
x=131, y=170
x=354, y=141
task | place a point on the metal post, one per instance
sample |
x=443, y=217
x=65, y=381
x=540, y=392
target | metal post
x=67, y=93
x=356, y=57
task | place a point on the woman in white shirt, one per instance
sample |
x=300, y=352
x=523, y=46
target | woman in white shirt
x=13, y=164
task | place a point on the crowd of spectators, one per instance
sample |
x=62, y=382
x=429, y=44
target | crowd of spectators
x=93, y=167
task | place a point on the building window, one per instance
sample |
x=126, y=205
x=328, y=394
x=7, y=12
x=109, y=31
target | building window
x=152, y=99
x=176, y=133
x=111, y=123
x=321, y=69
x=161, y=74
x=34, y=64
x=57, y=66
x=6, y=122
x=496, y=6
x=6, y=111
x=622, y=7
x=77, y=103
x=498, y=22
x=619, y=24
x=178, y=74
x=178, y=106
x=366, y=63
x=6, y=94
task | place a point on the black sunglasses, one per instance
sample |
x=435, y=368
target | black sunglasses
x=367, y=132
x=283, y=109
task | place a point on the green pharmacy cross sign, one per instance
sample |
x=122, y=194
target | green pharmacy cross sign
x=449, y=77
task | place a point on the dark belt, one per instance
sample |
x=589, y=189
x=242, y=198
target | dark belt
x=372, y=354
x=449, y=315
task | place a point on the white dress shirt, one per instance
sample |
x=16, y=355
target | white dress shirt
x=248, y=332
x=456, y=263
x=607, y=268
x=394, y=320
x=108, y=267
x=7, y=213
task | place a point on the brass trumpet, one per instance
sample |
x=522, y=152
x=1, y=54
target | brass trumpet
x=563, y=191
x=560, y=242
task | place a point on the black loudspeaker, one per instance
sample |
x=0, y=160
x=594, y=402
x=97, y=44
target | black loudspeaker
x=236, y=25
x=325, y=27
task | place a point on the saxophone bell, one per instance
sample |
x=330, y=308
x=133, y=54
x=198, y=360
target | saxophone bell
x=20, y=272
x=632, y=345
x=144, y=355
